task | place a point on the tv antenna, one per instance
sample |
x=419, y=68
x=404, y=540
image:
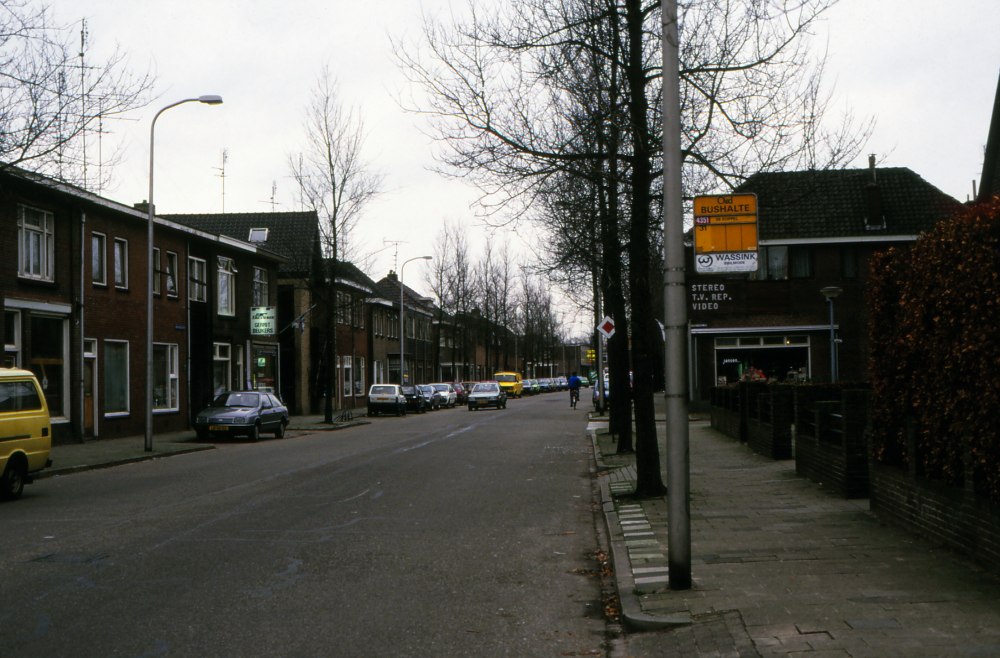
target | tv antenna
x=222, y=175
x=274, y=191
x=395, y=251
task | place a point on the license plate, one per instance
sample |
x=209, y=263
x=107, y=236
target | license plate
x=218, y=428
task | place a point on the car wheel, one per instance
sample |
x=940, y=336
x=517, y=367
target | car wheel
x=279, y=433
x=12, y=482
x=471, y=408
x=254, y=435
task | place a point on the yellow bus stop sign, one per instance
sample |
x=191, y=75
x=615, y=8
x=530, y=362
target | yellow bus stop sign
x=725, y=233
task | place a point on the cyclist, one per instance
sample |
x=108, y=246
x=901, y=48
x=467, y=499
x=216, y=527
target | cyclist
x=574, y=390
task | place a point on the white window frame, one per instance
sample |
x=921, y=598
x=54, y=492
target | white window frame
x=12, y=344
x=218, y=357
x=128, y=379
x=42, y=234
x=260, y=288
x=156, y=271
x=197, y=290
x=172, y=383
x=123, y=254
x=172, y=274
x=348, y=377
x=359, y=375
x=103, y=239
x=227, y=272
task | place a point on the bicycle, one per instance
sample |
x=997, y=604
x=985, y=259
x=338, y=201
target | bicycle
x=574, y=397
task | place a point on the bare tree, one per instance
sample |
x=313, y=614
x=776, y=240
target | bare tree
x=337, y=181
x=50, y=98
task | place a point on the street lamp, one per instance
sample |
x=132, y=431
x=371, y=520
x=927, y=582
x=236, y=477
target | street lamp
x=830, y=292
x=208, y=100
x=402, y=320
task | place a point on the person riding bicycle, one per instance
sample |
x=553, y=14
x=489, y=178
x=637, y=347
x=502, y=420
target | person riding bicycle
x=574, y=389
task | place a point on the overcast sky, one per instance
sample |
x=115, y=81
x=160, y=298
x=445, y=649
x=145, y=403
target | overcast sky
x=926, y=70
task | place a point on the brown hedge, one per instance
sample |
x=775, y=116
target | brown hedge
x=935, y=341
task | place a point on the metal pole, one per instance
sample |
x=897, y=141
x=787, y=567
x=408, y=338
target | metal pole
x=675, y=312
x=833, y=357
x=402, y=319
x=208, y=100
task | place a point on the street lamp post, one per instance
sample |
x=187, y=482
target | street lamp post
x=208, y=100
x=402, y=320
x=830, y=292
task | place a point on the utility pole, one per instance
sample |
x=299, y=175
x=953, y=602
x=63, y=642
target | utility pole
x=675, y=312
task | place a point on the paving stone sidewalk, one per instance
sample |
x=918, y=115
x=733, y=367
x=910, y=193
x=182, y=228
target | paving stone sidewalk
x=782, y=567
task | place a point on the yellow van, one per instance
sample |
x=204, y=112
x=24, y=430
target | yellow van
x=510, y=382
x=25, y=432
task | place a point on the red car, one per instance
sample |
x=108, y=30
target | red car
x=461, y=392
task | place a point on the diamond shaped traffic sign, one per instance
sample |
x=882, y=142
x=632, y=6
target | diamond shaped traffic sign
x=607, y=327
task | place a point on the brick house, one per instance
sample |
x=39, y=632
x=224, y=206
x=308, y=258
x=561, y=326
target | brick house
x=816, y=229
x=75, y=305
x=421, y=353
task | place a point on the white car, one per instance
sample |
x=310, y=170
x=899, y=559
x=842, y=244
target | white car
x=387, y=398
x=487, y=394
x=448, y=391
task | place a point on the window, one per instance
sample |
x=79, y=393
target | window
x=259, y=286
x=48, y=357
x=801, y=262
x=156, y=271
x=12, y=339
x=165, y=380
x=221, y=367
x=777, y=263
x=849, y=262
x=348, y=374
x=340, y=308
x=227, y=286
x=36, y=243
x=116, y=398
x=121, y=263
x=198, y=285
x=98, y=259
x=377, y=372
x=359, y=375
x=258, y=235
x=171, y=274
x=359, y=313
x=348, y=307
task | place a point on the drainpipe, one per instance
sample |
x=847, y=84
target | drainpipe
x=83, y=270
x=187, y=328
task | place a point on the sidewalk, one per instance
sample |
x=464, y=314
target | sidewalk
x=782, y=567
x=105, y=453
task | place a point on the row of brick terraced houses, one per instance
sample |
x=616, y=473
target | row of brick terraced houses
x=75, y=309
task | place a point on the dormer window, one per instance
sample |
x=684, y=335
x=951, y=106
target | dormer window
x=258, y=235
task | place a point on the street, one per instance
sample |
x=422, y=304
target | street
x=445, y=534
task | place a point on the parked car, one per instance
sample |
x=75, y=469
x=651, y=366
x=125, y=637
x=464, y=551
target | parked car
x=243, y=413
x=510, y=382
x=415, y=399
x=435, y=400
x=26, y=431
x=546, y=385
x=487, y=394
x=562, y=384
x=386, y=398
x=584, y=382
x=449, y=393
x=530, y=386
x=607, y=394
x=461, y=393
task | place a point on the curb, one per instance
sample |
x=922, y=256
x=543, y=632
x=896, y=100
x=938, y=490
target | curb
x=632, y=615
x=323, y=427
x=69, y=470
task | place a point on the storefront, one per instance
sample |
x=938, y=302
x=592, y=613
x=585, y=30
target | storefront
x=264, y=371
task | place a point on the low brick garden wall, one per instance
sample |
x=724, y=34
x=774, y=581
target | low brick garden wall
x=726, y=412
x=769, y=419
x=831, y=445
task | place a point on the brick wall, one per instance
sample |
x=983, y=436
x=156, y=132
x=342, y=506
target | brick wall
x=831, y=445
x=769, y=419
x=725, y=412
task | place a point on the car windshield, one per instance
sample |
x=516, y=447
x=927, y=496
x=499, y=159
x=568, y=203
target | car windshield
x=440, y=387
x=383, y=390
x=248, y=400
x=409, y=390
x=485, y=388
x=507, y=379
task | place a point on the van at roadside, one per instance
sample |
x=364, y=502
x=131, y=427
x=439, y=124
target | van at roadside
x=510, y=382
x=25, y=432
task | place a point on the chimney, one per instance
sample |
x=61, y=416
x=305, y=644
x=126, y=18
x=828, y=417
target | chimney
x=143, y=206
x=874, y=219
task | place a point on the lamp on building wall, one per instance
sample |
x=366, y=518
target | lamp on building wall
x=208, y=100
x=830, y=292
x=402, y=320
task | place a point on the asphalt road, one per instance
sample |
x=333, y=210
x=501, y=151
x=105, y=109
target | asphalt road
x=453, y=533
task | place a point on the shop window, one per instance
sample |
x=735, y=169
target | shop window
x=749, y=340
x=165, y=378
x=171, y=274
x=725, y=342
x=796, y=340
x=265, y=369
x=12, y=339
x=116, y=376
x=259, y=287
x=36, y=243
x=98, y=259
x=227, y=286
x=47, y=359
x=198, y=285
x=774, y=340
x=221, y=367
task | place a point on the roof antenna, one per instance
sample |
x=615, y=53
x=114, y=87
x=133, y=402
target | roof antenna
x=222, y=175
x=274, y=191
